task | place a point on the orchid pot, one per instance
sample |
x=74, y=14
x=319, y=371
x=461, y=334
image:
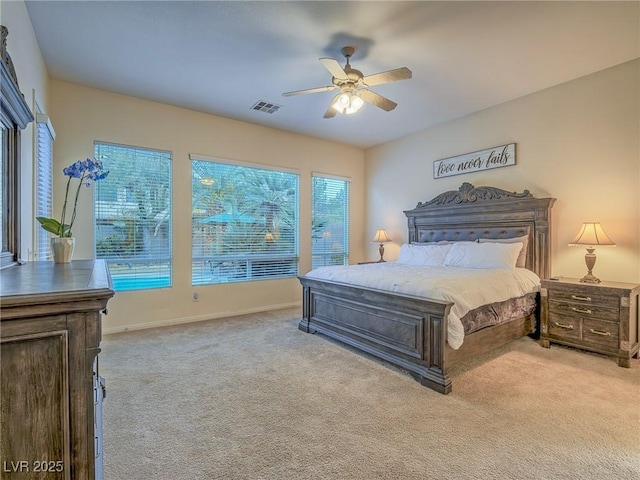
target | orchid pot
x=62, y=249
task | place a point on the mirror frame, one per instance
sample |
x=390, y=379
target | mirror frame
x=15, y=115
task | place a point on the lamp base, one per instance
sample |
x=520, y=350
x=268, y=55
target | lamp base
x=590, y=260
x=590, y=278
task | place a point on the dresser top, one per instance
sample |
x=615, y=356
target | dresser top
x=34, y=282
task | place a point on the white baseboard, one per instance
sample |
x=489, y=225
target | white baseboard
x=196, y=318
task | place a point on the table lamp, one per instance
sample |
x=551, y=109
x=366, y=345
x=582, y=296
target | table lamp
x=591, y=234
x=381, y=237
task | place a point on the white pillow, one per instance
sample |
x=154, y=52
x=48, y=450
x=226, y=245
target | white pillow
x=406, y=254
x=483, y=255
x=423, y=255
x=522, y=256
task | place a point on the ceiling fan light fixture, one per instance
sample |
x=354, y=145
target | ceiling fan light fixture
x=341, y=102
x=348, y=102
x=355, y=104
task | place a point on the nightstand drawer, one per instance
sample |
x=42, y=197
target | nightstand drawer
x=584, y=310
x=606, y=301
x=603, y=334
x=561, y=326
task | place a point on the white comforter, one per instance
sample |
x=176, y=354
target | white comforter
x=467, y=288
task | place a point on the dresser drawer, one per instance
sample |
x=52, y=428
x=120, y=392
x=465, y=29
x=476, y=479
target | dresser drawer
x=568, y=328
x=602, y=334
x=585, y=310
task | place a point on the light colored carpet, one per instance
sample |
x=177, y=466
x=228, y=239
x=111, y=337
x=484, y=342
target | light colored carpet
x=253, y=397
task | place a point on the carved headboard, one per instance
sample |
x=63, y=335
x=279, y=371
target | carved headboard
x=472, y=212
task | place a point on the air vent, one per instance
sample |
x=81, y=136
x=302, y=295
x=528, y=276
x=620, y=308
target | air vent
x=266, y=107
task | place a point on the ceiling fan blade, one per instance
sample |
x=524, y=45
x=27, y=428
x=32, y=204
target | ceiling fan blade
x=402, y=73
x=328, y=88
x=334, y=68
x=331, y=112
x=377, y=100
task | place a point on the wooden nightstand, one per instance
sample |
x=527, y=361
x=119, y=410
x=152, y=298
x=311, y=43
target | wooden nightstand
x=599, y=317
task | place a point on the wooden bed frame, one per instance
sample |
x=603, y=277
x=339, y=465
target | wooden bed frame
x=411, y=332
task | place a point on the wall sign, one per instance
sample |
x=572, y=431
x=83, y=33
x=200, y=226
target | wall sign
x=495, y=157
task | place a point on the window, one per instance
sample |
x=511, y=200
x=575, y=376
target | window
x=329, y=221
x=132, y=208
x=43, y=184
x=244, y=223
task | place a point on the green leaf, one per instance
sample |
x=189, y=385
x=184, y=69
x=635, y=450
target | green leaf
x=52, y=225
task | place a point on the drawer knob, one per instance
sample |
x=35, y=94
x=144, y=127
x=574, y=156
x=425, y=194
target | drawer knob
x=563, y=325
x=581, y=310
x=578, y=297
x=599, y=332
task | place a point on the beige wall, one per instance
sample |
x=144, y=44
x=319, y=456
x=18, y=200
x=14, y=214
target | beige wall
x=82, y=115
x=33, y=79
x=577, y=142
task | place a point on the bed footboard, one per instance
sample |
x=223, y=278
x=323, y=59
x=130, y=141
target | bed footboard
x=406, y=331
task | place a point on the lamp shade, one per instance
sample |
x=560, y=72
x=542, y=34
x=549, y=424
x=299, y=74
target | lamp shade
x=591, y=233
x=381, y=236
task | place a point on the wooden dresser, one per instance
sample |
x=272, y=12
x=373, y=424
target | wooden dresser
x=50, y=338
x=599, y=317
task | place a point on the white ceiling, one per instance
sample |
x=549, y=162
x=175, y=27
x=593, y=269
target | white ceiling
x=223, y=57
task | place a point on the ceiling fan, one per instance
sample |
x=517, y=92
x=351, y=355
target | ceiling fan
x=354, y=86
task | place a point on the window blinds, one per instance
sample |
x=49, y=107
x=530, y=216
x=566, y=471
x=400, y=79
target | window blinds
x=133, y=216
x=329, y=221
x=244, y=223
x=43, y=184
